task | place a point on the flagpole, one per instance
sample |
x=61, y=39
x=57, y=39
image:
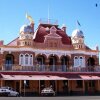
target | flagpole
x=76, y=25
x=48, y=14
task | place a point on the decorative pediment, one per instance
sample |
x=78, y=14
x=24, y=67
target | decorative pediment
x=53, y=33
x=53, y=29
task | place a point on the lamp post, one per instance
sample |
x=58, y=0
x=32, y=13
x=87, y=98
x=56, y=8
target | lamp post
x=24, y=87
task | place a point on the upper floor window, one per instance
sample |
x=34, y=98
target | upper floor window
x=76, y=62
x=26, y=59
x=31, y=59
x=21, y=59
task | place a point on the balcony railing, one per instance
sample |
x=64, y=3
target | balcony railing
x=53, y=68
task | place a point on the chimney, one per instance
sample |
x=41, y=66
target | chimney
x=1, y=42
x=97, y=48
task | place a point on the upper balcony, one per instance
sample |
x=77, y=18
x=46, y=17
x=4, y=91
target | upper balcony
x=50, y=68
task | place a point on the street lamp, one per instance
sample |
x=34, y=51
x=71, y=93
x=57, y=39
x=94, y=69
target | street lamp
x=24, y=87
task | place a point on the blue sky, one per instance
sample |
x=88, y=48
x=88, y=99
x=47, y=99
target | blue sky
x=12, y=16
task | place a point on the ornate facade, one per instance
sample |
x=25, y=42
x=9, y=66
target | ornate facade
x=48, y=56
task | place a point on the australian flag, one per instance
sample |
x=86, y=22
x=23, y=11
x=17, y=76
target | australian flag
x=78, y=23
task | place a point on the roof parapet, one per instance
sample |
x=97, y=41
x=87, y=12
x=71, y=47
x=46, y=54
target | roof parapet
x=48, y=21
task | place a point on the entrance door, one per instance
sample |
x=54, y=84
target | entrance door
x=65, y=87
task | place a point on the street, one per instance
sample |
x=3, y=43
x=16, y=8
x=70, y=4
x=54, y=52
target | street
x=53, y=98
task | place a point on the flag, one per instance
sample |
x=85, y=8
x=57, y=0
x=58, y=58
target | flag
x=96, y=4
x=29, y=18
x=78, y=23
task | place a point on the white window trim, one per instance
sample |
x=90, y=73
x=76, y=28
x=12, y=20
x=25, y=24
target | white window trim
x=82, y=63
x=76, y=62
x=27, y=61
x=21, y=60
x=31, y=60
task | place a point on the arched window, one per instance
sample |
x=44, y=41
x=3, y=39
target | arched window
x=76, y=62
x=21, y=59
x=31, y=60
x=26, y=59
x=81, y=61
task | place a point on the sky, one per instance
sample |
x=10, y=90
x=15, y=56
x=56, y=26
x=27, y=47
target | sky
x=12, y=17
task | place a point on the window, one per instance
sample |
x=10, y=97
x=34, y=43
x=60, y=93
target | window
x=51, y=44
x=55, y=44
x=25, y=43
x=76, y=62
x=31, y=59
x=21, y=59
x=79, y=84
x=26, y=59
x=81, y=61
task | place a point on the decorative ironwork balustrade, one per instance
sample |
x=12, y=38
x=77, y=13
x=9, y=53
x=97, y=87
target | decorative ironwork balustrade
x=50, y=68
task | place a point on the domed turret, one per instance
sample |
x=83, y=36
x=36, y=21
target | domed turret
x=26, y=35
x=77, y=33
x=77, y=39
x=26, y=29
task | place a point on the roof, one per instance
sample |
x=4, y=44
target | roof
x=87, y=48
x=13, y=42
x=42, y=32
x=77, y=33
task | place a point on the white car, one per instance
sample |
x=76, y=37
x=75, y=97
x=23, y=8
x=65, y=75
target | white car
x=8, y=91
x=48, y=92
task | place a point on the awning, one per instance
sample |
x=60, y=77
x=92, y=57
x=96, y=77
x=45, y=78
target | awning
x=89, y=77
x=50, y=77
x=32, y=77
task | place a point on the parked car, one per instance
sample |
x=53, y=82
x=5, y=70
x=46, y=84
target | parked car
x=48, y=92
x=8, y=91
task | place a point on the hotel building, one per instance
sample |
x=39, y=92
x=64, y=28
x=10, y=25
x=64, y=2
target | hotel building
x=49, y=56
